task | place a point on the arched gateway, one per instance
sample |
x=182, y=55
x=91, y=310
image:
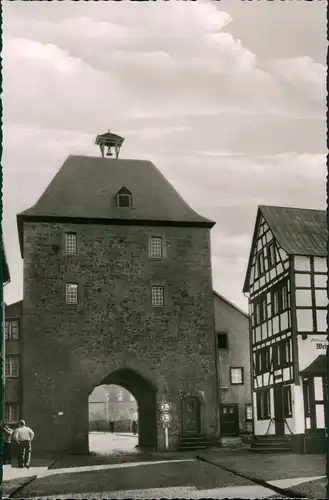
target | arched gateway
x=145, y=393
x=117, y=290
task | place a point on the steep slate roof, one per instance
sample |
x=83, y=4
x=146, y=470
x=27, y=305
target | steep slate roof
x=319, y=365
x=85, y=188
x=299, y=231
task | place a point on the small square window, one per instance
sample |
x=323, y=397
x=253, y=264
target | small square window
x=157, y=296
x=70, y=242
x=123, y=200
x=71, y=293
x=248, y=415
x=222, y=341
x=156, y=246
x=236, y=376
x=11, y=366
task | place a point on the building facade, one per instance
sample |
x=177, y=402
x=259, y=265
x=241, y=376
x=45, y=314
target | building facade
x=117, y=290
x=108, y=402
x=287, y=285
x=233, y=361
x=5, y=280
x=13, y=343
x=112, y=403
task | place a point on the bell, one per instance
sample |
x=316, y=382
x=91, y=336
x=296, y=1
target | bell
x=109, y=152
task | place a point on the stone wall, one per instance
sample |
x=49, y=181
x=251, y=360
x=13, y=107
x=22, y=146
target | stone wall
x=70, y=349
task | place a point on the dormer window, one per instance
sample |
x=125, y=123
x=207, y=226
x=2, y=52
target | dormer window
x=123, y=198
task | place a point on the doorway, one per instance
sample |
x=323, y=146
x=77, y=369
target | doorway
x=229, y=421
x=278, y=410
x=191, y=416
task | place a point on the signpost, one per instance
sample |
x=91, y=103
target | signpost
x=165, y=418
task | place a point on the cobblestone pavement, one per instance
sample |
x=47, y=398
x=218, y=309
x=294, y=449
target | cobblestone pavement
x=174, y=479
x=119, y=470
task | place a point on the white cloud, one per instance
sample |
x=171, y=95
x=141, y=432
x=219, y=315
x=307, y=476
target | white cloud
x=229, y=129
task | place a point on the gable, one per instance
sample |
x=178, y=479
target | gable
x=123, y=190
x=267, y=259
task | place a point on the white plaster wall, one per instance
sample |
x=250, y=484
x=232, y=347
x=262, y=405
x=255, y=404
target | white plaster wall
x=304, y=320
x=320, y=264
x=298, y=409
x=308, y=350
x=302, y=263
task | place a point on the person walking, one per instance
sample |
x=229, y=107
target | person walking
x=112, y=425
x=23, y=435
x=7, y=435
x=135, y=427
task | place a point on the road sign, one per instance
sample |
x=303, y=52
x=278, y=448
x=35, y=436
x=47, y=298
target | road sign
x=165, y=425
x=165, y=418
x=165, y=406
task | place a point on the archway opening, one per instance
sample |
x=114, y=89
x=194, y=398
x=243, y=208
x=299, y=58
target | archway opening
x=122, y=414
x=113, y=420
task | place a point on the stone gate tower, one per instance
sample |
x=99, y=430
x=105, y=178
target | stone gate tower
x=117, y=290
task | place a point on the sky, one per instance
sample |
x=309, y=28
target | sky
x=227, y=98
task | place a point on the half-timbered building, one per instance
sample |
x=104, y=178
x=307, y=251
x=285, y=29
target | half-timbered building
x=286, y=283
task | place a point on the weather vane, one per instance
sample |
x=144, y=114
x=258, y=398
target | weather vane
x=109, y=141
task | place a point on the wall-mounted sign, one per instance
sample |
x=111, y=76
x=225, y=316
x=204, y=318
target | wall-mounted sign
x=310, y=348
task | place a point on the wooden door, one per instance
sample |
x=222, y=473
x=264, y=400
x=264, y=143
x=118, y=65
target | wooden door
x=191, y=425
x=278, y=410
x=229, y=422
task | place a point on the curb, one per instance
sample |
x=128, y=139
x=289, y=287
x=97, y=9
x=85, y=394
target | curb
x=281, y=491
x=28, y=481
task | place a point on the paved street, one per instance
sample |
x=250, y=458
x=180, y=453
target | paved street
x=104, y=443
x=121, y=471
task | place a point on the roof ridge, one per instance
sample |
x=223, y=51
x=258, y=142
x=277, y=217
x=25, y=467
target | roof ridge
x=220, y=296
x=293, y=208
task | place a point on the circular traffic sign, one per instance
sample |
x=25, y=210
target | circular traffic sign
x=165, y=418
x=165, y=406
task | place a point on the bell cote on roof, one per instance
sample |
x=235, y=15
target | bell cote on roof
x=123, y=198
x=110, y=141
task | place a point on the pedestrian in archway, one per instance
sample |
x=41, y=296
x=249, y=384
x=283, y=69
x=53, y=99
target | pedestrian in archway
x=112, y=426
x=134, y=427
x=7, y=435
x=23, y=435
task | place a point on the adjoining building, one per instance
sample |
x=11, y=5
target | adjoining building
x=117, y=290
x=233, y=361
x=12, y=339
x=287, y=285
x=5, y=279
x=112, y=403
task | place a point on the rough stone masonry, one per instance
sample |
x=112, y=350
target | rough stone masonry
x=113, y=334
